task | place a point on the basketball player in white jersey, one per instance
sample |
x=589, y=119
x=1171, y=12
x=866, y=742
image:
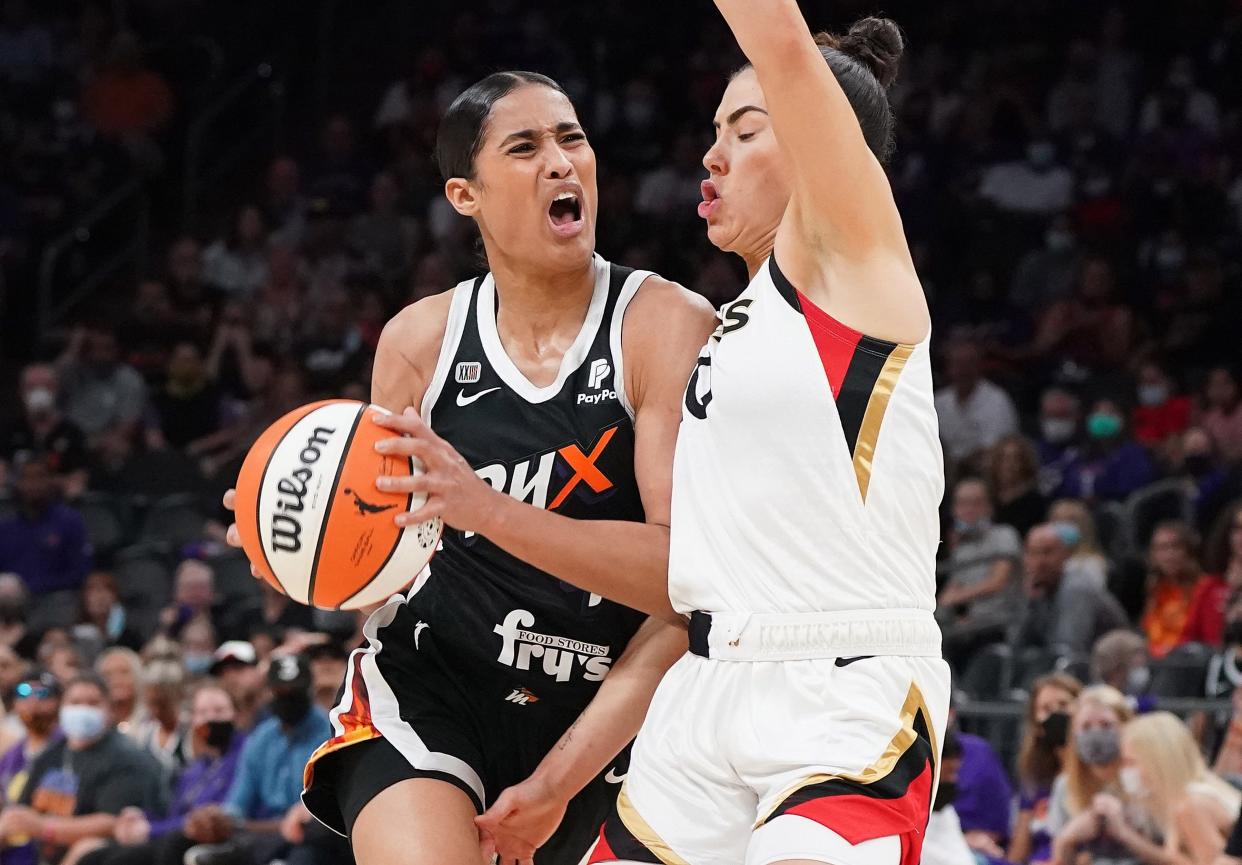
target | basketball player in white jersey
x=805, y=723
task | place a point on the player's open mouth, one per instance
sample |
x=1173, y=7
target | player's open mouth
x=711, y=199
x=565, y=214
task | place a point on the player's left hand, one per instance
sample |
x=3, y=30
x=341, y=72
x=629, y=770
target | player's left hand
x=454, y=491
x=522, y=820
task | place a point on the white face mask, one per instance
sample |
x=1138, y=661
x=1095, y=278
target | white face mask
x=39, y=400
x=1132, y=782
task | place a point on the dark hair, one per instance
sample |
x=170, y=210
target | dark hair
x=465, y=123
x=865, y=62
x=1218, y=550
x=92, y=679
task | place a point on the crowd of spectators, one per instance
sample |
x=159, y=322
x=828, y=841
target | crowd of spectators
x=1073, y=199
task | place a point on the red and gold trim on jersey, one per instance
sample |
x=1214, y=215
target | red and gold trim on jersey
x=862, y=373
x=892, y=796
x=356, y=725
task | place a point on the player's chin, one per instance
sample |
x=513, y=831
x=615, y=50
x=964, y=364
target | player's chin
x=721, y=236
x=573, y=248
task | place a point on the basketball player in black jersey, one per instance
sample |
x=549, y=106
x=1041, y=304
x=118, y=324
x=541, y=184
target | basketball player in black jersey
x=546, y=396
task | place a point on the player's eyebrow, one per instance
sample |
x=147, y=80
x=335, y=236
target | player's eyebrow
x=533, y=134
x=739, y=114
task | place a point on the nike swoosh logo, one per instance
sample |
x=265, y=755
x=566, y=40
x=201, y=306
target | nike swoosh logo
x=463, y=400
x=418, y=632
x=613, y=778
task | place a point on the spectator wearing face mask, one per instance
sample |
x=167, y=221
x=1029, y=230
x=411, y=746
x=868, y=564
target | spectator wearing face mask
x=45, y=543
x=36, y=701
x=974, y=413
x=1120, y=659
x=1059, y=437
x=43, y=432
x=1173, y=575
x=78, y=786
x=1112, y=465
x=144, y=838
x=1087, y=564
x=1041, y=758
x=1206, y=475
x=944, y=843
x=1163, y=772
x=981, y=592
x=102, y=617
x=236, y=667
x=1079, y=820
x=164, y=733
x=1205, y=622
x=1162, y=412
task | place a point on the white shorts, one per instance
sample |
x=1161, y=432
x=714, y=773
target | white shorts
x=829, y=759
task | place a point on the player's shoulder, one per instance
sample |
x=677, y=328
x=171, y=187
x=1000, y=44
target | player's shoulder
x=417, y=330
x=661, y=306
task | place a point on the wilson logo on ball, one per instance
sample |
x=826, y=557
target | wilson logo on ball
x=291, y=494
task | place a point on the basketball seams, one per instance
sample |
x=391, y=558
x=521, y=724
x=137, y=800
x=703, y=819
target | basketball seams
x=327, y=512
x=392, y=551
x=258, y=510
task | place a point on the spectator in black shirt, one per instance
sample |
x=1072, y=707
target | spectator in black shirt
x=43, y=431
x=77, y=786
x=1013, y=476
x=187, y=407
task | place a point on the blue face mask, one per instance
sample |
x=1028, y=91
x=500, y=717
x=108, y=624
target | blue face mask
x=1068, y=533
x=976, y=528
x=198, y=663
x=83, y=723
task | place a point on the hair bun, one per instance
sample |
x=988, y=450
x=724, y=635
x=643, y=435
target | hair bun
x=875, y=43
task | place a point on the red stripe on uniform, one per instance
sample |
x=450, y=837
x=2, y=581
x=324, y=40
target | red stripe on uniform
x=858, y=818
x=835, y=342
x=602, y=852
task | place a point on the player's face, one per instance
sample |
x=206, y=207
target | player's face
x=748, y=188
x=534, y=192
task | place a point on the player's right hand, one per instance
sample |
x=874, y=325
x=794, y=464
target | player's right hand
x=522, y=820
x=232, y=536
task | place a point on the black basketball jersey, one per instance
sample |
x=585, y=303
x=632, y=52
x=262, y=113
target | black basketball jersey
x=567, y=447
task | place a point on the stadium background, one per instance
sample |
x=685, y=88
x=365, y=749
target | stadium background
x=208, y=211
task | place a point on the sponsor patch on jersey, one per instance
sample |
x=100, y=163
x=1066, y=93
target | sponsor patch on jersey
x=529, y=480
x=468, y=372
x=560, y=657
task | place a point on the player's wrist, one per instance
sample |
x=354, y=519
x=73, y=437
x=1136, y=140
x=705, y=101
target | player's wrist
x=493, y=513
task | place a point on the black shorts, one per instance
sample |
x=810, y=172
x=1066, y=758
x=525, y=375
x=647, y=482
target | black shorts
x=413, y=711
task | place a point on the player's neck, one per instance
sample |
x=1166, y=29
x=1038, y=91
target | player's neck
x=756, y=253
x=535, y=305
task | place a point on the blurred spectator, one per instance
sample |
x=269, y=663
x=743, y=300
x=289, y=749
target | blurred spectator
x=1222, y=415
x=163, y=733
x=1086, y=812
x=331, y=347
x=42, y=432
x=384, y=237
x=1205, y=621
x=1060, y=615
x=125, y=98
x=12, y=670
x=236, y=666
x=1046, y=275
x=338, y=173
x=121, y=669
x=1119, y=659
x=268, y=785
x=36, y=702
x=102, y=618
x=1013, y=477
x=193, y=299
x=1180, y=100
x=981, y=784
x=1225, y=669
x=1192, y=808
x=1091, y=329
x=1060, y=432
x=1162, y=411
x=944, y=843
x=981, y=592
x=328, y=662
x=1112, y=465
x=45, y=544
x=105, y=397
x=61, y=657
x=187, y=407
x=15, y=631
x=193, y=597
x=151, y=328
x=1205, y=476
x=237, y=263
x=276, y=618
x=974, y=413
x=1041, y=758
x=145, y=838
x=78, y=785
x=284, y=206
x=1076, y=526
x=1173, y=573
x=1036, y=185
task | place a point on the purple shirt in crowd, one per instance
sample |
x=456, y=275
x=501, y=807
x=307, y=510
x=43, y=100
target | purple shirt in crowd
x=983, y=793
x=50, y=553
x=14, y=765
x=203, y=782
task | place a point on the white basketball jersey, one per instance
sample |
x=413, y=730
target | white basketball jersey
x=809, y=470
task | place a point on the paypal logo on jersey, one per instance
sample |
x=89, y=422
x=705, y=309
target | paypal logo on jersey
x=601, y=369
x=560, y=656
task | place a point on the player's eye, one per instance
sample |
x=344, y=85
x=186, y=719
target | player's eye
x=522, y=149
x=746, y=136
x=574, y=138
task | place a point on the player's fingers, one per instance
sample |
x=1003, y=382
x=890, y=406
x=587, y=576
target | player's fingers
x=407, y=422
x=404, y=446
x=232, y=536
x=230, y=499
x=254, y=572
x=433, y=508
x=404, y=483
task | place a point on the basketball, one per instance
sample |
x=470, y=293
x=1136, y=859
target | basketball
x=311, y=519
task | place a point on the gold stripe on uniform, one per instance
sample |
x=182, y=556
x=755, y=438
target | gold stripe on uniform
x=877, y=404
x=642, y=831
x=901, y=742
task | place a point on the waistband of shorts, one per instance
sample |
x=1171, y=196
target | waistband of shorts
x=808, y=636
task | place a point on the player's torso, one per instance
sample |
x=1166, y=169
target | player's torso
x=567, y=447
x=809, y=470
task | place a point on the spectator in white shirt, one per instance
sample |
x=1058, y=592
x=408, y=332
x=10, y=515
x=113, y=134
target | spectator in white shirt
x=974, y=413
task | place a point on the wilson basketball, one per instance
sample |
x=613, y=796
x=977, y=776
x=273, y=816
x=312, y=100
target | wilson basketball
x=311, y=519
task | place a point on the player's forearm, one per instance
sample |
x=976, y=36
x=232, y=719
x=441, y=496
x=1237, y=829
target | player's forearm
x=626, y=562
x=612, y=719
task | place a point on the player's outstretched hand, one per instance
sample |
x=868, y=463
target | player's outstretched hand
x=233, y=538
x=522, y=820
x=454, y=491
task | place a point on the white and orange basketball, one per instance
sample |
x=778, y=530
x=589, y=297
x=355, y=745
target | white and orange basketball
x=311, y=519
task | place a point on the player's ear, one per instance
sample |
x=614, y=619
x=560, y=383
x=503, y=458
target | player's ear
x=463, y=195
